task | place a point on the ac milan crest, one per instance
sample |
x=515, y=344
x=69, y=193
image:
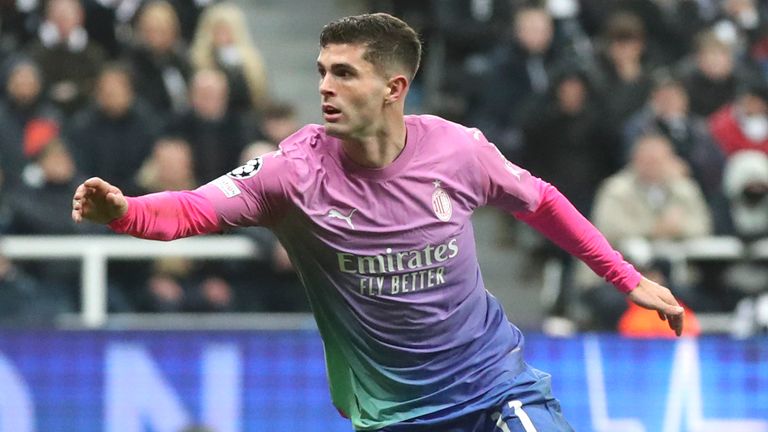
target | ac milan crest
x=441, y=203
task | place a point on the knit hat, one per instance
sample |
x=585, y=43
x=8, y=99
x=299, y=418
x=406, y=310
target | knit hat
x=38, y=133
x=743, y=168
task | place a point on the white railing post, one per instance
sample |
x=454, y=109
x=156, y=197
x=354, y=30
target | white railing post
x=94, y=287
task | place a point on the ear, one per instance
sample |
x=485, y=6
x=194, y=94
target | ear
x=397, y=87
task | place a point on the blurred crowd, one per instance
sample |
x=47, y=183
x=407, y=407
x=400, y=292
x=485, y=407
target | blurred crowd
x=152, y=96
x=650, y=115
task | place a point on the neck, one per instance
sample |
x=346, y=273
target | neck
x=379, y=149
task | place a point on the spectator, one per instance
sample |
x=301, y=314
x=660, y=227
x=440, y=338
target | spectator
x=222, y=42
x=115, y=134
x=216, y=135
x=179, y=284
x=740, y=24
x=652, y=197
x=170, y=167
x=519, y=69
x=667, y=113
x=624, y=68
x=189, y=12
x=279, y=122
x=660, y=18
x=712, y=80
x=566, y=141
x=743, y=125
x=69, y=61
x=40, y=205
x=25, y=101
x=461, y=35
x=161, y=67
x=746, y=185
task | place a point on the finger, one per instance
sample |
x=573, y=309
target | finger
x=76, y=216
x=98, y=185
x=79, y=192
x=671, y=304
x=676, y=324
x=661, y=316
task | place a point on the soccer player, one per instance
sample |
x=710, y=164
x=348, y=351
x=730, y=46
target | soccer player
x=374, y=209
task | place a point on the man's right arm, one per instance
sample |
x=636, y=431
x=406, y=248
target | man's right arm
x=253, y=194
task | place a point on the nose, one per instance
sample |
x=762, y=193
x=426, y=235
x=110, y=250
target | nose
x=325, y=86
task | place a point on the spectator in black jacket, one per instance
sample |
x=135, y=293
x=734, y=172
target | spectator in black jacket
x=519, y=70
x=667, y=113
x=160, y=65
x=25, y=101
x=114, y=136
x=70, y=61
x=216, y=135
x=41, y=203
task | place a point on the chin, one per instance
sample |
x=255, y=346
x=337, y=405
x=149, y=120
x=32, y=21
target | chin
x=335, y=130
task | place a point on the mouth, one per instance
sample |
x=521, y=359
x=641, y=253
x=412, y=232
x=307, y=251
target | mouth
x=331, y=114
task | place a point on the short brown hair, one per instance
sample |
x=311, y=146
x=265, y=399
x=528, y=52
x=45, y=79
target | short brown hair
x=387, y=39
x=625, y=26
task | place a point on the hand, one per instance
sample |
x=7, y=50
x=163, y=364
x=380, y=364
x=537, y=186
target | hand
x=653, y=296
x=98, y=201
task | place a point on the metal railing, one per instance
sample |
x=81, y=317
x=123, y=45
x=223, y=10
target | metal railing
x=95, y=251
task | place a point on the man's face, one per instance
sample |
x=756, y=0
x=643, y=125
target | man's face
x=352, y=91
x=670, y=101
x=534, y=31
x=715, y=63
x=67, y=15
x=209, y=95
x=114, y=94
x=24, y=85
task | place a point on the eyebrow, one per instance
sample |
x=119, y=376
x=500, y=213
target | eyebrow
x=337, y=66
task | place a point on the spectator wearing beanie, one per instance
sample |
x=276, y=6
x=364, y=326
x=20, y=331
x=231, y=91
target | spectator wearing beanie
x=743, y=125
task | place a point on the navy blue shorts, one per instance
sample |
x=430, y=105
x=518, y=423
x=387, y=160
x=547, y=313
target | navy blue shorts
x=531, y=407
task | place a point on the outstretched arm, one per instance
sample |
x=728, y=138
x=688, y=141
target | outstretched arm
x=160, y=216
x=559, y=221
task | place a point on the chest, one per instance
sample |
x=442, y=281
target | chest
x=405, y=211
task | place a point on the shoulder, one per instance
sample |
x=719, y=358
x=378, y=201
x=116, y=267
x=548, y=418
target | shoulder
x=445, y=135
x=303, y=143
x=299, y=152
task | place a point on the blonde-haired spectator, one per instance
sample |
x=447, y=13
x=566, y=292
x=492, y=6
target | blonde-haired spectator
x=222, y=41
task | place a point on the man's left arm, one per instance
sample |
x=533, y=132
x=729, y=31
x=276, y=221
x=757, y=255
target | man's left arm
x=558, y=220
x=544, y=208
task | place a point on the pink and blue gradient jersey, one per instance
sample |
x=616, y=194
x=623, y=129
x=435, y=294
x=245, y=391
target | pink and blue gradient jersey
x=388, y=259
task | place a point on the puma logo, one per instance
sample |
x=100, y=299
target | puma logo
x=333, y=213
